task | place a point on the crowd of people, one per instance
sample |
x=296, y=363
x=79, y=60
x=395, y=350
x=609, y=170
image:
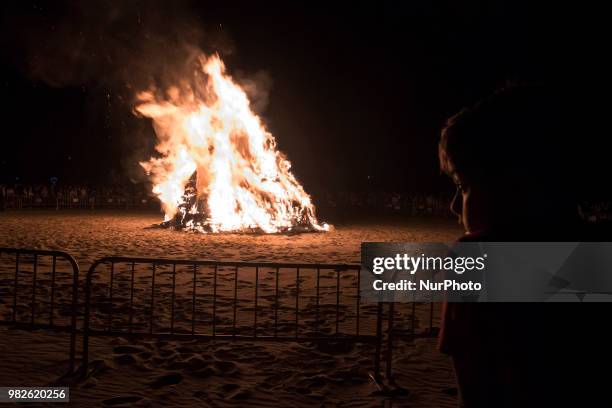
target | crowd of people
x=595, y=211
x=21, y=196
x=388, y=202
x=53, y=195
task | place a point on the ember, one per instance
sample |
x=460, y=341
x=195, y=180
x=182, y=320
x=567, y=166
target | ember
x=220, y=169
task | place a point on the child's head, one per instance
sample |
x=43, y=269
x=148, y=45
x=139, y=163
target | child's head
x=507, y=156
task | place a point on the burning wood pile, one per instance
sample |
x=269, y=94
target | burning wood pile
x=219, y=169
x=193, y=215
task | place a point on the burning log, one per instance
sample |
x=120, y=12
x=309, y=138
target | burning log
x=191, y=212
x=193, y=215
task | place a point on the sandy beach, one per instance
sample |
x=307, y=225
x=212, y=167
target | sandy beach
x=221, y=373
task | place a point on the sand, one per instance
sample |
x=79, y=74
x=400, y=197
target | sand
x=220, y=373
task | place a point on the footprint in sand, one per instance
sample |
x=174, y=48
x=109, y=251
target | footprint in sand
x=127, y=349
x=165, y=380
x=226, y=367
x=125, y=401
x=125, y=359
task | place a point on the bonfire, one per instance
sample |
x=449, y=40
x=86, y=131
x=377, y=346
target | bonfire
x=219, y=169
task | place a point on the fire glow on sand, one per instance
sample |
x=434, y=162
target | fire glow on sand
x=219, y=169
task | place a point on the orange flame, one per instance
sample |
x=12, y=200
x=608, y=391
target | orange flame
x=207, y=126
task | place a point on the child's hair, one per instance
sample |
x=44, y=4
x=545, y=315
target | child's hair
x=514, y=136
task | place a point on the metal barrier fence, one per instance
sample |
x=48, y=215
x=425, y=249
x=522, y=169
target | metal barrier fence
x=39, y=289
x=178, y=299
x=174, y=299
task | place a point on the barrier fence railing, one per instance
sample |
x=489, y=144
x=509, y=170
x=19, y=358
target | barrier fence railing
x=423, y=318
x=177, y=299
x=169, y=298
x=39, y=290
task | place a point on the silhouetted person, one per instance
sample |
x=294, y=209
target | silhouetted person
x=513, y=159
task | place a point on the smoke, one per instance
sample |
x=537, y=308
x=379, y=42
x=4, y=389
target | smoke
x=257, y=87
x=121, y=48
x=114, y=43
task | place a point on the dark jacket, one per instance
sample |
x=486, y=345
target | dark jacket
x=530, y=354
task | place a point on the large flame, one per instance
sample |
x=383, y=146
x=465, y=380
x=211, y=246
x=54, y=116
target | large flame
x=206, y=127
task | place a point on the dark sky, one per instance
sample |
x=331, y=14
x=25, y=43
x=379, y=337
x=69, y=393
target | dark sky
x=357, y=93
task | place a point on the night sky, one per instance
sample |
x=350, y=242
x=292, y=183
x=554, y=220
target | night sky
x=356, y=94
